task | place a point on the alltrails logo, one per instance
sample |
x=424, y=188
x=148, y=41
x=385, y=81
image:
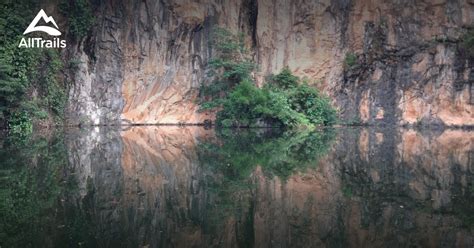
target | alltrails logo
x=40, y=42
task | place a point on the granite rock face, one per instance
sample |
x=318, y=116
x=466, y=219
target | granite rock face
x=145, y=60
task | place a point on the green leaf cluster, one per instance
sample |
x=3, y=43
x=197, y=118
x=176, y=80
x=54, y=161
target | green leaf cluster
x=316, y=107
x=29, y=83
x=285, y=79
x=351, y=59
x=285, y=100
x=20, y=124
x=80, y=16
x=248, y=105
x=231, y=65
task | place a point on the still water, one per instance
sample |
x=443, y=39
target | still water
x=192, y=187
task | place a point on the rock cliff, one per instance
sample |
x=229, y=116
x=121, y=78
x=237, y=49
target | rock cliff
x=144, y=61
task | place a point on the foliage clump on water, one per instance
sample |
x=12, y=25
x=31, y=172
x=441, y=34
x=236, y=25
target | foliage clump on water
x=285, y=100
x=29, y=87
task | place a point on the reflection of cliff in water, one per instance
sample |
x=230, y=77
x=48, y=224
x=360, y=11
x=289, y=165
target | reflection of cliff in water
x=178, y=187
x=145, y=190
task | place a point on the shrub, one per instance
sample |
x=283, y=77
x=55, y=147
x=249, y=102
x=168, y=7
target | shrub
x=317, y=108
x=243, y=106
x=285, y=79
x=300, y=105
x=10, y=89
x=279, y=112
x=249, y=105
x=230, y=65
x=20, y=124
x=228, y=44
x=350, y=60
x=283, y=101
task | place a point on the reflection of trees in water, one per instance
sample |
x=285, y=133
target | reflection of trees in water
x=238, y=152
x=463, y=201
x=234, y=157
x=41, y=203
x=408, y=187
x=171, y=187
x=30, y=187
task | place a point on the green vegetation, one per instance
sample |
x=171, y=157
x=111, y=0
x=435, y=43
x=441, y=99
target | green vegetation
x=228, y=69
x=20, y=123
x=467, y=43
x=80, y=16
x=346, y=191
x=30, y=185
x=312, y=104
x=238, y=152
x=248, y=105
x=284, y=101
x=353, y=121
x=285, y=80
x=350, y=60
x=29, y=87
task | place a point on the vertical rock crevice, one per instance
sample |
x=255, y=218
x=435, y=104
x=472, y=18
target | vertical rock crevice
x=145, y=60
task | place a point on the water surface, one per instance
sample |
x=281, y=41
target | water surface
x=192, y=187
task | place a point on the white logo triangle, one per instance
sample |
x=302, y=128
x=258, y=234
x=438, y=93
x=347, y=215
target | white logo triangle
x=49, y=30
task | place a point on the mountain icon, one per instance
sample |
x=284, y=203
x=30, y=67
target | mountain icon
x=49, y=30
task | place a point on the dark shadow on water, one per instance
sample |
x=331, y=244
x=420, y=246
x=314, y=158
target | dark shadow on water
x=192, y=187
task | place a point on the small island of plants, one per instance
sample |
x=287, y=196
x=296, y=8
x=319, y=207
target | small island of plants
x=284, y=101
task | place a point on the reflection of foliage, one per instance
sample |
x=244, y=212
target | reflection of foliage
x=79, y=224
x=277, y=153
x=30, y=186
x=237, y=153
x=462, y=203
x=230, y=198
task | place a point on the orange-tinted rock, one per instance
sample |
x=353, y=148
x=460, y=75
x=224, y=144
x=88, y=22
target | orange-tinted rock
x=149, y=59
